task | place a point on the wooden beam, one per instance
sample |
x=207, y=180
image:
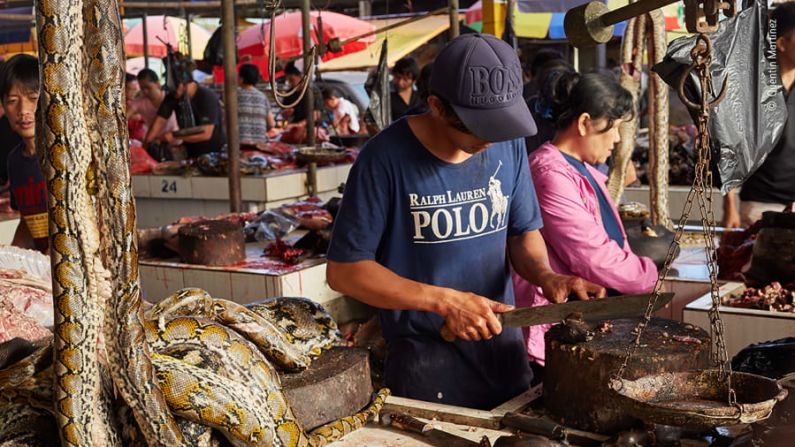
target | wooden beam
x=444, y=413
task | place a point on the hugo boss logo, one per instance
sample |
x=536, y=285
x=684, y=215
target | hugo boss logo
x=493, y=85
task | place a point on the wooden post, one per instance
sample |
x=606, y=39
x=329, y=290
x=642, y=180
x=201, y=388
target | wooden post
x=493, y=17
x=187, y=31
x=230, y=105
x=146, y=40
x=306, y=26
x=454, y=27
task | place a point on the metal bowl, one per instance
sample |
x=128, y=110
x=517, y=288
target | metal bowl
x=699, y=399
x=309, y=154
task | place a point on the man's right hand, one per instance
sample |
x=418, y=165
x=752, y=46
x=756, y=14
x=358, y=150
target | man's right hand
x=470, y=317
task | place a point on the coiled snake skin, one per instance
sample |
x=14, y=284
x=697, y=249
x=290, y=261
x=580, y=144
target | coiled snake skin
x=193, y=368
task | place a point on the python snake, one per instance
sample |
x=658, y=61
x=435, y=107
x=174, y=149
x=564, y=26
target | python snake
x=645, y=36
x=194, y=367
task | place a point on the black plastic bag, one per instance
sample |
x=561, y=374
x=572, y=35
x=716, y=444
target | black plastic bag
x=746, y=126
x=774, y=359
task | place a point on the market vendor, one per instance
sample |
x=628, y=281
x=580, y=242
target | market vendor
x=206, y=109
x=295, y=131
x=148, y=101
x=19, y=92
x=254, y=115
x=772, y=186
x=344, y=114
x=403, y=96
x=583, y=232
x=431, y=207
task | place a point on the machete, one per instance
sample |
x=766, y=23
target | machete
x=624, y=306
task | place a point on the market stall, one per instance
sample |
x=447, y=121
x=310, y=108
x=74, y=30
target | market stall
x=162, y=199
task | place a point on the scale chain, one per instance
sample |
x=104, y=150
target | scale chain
x=701, y=191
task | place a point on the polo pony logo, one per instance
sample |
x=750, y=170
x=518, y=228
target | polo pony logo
x=499, y=201
x=450, y=216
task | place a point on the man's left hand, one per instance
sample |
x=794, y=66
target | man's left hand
x=557, y=288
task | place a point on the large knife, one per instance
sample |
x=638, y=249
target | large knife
x=624, y=306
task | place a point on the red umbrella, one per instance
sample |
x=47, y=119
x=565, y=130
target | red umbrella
x=253, y=43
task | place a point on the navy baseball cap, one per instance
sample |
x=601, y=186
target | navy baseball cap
x=480, y=76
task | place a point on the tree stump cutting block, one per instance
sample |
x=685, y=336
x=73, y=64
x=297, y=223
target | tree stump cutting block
x=212, y=242
x=337, y=384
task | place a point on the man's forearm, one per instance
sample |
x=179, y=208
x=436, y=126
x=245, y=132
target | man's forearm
x=377, y=286
x=205, y=135
x=529, y=258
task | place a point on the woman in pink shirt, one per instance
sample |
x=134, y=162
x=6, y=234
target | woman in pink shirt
x=582, y=229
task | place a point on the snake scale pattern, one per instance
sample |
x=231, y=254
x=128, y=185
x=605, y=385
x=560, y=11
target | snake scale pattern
x=191, y=371
x=645, y=35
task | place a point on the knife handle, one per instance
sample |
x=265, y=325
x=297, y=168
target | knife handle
x=408, y=423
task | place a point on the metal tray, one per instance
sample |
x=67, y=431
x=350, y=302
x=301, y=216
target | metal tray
x=699, y=399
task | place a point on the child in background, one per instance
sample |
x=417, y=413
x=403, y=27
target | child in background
x=345, y=113
x=19, y=91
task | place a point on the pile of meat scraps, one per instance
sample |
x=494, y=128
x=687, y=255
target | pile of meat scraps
x=773, y=298
x=26, y=309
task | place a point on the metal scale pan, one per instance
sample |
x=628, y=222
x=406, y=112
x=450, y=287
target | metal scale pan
x=699, y=399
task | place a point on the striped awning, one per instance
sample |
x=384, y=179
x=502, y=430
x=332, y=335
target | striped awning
x=549, y=25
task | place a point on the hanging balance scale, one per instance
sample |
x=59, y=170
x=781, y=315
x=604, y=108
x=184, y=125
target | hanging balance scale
x=713, y=397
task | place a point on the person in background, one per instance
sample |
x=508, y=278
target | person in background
x=543, y=76
x=295, y=131
x=148, y=101
x=403, y=97
x=206, y=110
x=19, y=92
x=772, y=186
x=541, y=58
x=254, y=110
x=582, y=230
x=345, y=114
x=423, y=91
x=136, y=125
x=8, y=139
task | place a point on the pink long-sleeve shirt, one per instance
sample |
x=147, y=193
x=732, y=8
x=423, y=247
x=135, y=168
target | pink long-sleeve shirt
x=576, y=238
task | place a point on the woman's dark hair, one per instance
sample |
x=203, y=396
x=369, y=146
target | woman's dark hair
x=541, y=58
x=567, y=95
x=147, y=74
x=23, y=69
x=291, y=69
x=249, y=74
x=129, y=77
x=407, y=66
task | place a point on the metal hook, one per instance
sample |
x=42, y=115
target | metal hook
x=683, y=96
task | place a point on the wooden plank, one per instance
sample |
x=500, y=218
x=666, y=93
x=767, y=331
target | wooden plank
x=519, y=402
x=444, y=413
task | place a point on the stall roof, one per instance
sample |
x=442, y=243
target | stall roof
x=402, y=41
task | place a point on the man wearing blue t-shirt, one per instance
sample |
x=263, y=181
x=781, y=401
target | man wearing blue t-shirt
x=433, y=208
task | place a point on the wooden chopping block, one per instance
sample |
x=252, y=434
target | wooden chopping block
x=212, y=242
x=336, y=384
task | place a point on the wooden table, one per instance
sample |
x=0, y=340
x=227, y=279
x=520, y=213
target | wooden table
x=742, y=326
x=265, y=279
x=8, y=227
x=162, y=199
